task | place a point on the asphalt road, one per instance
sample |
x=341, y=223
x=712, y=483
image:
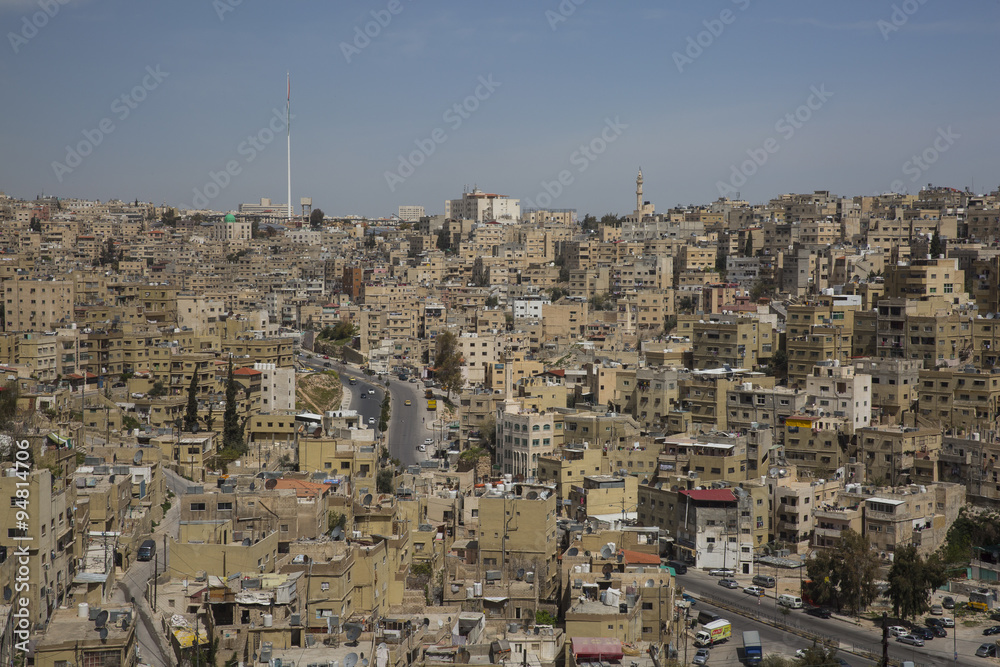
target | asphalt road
x=409, y=425
x=938, y=651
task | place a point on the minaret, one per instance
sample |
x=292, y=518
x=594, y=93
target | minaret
x=638, y=191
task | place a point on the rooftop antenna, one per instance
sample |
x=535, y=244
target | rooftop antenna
x=288, y=127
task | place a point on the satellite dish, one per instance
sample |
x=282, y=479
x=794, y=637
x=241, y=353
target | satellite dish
x=194, y=428
x=367, y=500
x=351, y=660
x=573, y=551
x=7, y=593
x=606, y=551
x=520, y=574
x=102, y=618
x=253, y=487
x=353, y=632
x=590, y=529
x=337, y=534
x=103, y=634
x=364, y=662
x=137, y=459
x=246, y=542
x=270, y=484
x=427, y=622
x=111, y=479
x=607, y=569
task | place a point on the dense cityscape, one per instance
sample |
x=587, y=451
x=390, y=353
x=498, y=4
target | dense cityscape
x=500, y=434
x=554, y=334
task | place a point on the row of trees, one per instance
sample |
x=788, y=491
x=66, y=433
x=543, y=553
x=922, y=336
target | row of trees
x=844, y=577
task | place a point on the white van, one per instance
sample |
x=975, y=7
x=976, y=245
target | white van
x=790, y=601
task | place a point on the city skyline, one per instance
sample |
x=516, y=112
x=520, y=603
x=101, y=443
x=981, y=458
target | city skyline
x=710, y=101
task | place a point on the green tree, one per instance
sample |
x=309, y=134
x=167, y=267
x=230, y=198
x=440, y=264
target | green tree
x=845, y=576
x=316, y=218
x=158, y=390
x=191, y=414
x=35, y=225
x=557, y=293
x=912, y=579
x=779, y=364
x=589, y=224
x=720, y=260
x=492, y=301
x=9, y=395
x=761, y=288
x=610, y=219
x=818, y=656
x=605, y=301
x=685, y=305
x=384, y=480
x=232, y=432
x=748, y=247
x=937, y=247
x=444, y=239
x=543, y=617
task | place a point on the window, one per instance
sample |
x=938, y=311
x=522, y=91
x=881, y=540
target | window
x=197, y=507
x=225, y=506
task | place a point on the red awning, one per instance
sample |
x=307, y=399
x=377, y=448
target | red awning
x=597, y=648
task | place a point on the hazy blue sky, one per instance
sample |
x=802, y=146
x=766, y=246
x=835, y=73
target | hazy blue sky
x=200, y=78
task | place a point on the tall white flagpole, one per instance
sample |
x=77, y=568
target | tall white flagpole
x=288, y=127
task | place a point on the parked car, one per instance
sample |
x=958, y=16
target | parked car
x=937, y=609
x=992, y=630
x=938, y=630
x=948, y=602
x=923, y=633
x=819, y=612
x=701, y=657
x=932, y=622
x=912, y=640
x=428, y=441
x=754, y=590
x=948, y=622
x=687, y=597
x=421, y=448
x=729, y=583
x=897, y=631
x=371, y=420
x=987, y=651
x=721, y=572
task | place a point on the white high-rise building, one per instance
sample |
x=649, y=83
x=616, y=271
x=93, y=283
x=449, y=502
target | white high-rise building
x=483, y=207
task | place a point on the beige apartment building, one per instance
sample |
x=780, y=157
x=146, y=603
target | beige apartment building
x=960, y=398
x=737, y=341
x=37, y=305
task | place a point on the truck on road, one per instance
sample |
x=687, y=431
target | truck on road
x=753, y=652
x=714, y=633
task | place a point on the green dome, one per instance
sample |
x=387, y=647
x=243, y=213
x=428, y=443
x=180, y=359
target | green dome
x=230, y=217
